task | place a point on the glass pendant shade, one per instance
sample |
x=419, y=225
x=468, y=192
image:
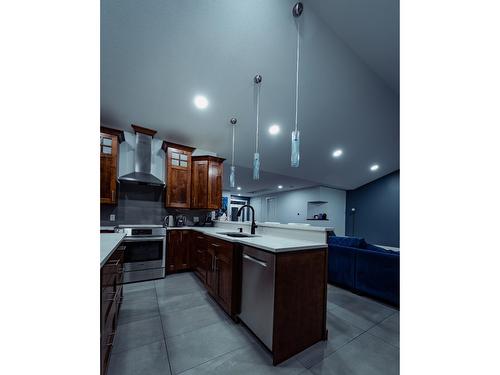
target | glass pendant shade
x=295, y=159
x=232, y=178
x=256, y=165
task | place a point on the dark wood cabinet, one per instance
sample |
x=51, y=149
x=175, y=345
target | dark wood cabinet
x=111, y=299
x=199, y=256
x=214, y=195
x=178, y=251
x=214, y=261
x=222, y=282
x=109, y=164
x=210, y=278
x=224, y=270
x=206, y=183
x=178, y=175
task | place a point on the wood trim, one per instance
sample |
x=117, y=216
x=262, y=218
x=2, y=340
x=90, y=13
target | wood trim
x=140, y=129
x=208, y=158
x=119, y=133
x=166, y=145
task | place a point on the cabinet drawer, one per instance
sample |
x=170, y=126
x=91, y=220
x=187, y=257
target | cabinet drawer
x=222, y=248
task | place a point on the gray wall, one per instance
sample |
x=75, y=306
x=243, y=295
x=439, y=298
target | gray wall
x=377, y=211
x=292, y=206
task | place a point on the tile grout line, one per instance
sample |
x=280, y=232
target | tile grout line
x=354, y=338
x=196, y=329
x=163, y=330
x=214, y=358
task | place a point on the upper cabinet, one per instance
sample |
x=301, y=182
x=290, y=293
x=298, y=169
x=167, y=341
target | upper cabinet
x=206, y=187
x=178, y=175
x=110, y=138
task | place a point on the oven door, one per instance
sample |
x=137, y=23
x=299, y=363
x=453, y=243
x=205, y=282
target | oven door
x=143, y=253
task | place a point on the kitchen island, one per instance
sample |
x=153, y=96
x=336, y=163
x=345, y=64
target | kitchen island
x=274, y=282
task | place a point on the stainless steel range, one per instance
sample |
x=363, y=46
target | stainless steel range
x=145, y=252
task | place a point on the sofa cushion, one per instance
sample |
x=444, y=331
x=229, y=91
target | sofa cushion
x=347, y=241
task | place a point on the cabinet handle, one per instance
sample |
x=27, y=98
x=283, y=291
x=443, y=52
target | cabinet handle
x=111, y=339
x=215, y=264
x=200, y=238
x=255, y=260
x=215, y=245
x=112, y=263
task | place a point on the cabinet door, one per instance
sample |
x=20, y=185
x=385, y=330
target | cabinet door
x=223, y=266
x=109, y=166
x=181, y=254
x=199, y=185
x=174, y=240
x=178, y=178
x=214, y=185
x=200, y=263
x=210, y=263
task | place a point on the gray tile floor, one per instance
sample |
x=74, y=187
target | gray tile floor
x=172, y=326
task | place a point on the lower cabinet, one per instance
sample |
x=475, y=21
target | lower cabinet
x=111, y=298
x=178, y=250
x=199, y=256
x=222, y=282
x=214, y=261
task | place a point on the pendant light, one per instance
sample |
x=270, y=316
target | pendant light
x=295, y=157
x=232, y=177
x=256, y=157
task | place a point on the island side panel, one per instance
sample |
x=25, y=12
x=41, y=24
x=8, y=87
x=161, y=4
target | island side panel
x=300, y=302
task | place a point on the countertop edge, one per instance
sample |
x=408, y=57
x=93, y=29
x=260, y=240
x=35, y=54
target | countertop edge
x=110, y=251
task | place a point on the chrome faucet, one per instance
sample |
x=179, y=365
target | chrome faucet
x=252, y=231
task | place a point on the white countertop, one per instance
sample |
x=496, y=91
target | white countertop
x=296, y=226
x=109, y=243
x=267, y=242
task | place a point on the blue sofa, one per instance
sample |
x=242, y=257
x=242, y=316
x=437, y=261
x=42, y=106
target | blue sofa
x=363, y=268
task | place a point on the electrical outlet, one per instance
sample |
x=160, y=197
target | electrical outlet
x=196, y=219
x=112, y=217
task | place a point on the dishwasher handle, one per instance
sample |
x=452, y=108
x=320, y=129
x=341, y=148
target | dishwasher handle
x=255, y=260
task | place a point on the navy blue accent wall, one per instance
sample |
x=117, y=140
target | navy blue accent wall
x=377, y=211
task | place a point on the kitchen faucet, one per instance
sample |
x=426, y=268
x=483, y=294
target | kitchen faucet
x=252, y=231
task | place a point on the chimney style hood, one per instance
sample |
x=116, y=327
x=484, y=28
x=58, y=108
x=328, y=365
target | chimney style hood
x=142, y=165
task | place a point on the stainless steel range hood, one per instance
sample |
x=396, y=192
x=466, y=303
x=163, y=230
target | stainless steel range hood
x=142, y=165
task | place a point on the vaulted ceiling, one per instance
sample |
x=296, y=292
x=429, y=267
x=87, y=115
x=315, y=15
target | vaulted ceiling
x=157, y=55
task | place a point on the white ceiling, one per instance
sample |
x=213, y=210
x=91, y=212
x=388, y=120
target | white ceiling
x=157, y=55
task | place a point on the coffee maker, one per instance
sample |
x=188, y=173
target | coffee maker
x=180, y=221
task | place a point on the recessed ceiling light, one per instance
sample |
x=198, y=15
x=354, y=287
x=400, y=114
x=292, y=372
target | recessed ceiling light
x=239, y=188
x=239, y=195
x=274, y=129
x=200, y=102
x=374, y=167
x=280, y=186
x=337, y=153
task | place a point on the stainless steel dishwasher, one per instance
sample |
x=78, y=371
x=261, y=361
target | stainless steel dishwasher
x=257, y=293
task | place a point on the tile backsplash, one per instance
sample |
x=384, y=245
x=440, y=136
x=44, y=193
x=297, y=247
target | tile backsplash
x=143, y=204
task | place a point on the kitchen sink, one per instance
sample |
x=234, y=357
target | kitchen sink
x=238, y=234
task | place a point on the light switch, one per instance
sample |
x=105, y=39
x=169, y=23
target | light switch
x=112, y=217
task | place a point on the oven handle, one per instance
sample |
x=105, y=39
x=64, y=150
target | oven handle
x=142, y=239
